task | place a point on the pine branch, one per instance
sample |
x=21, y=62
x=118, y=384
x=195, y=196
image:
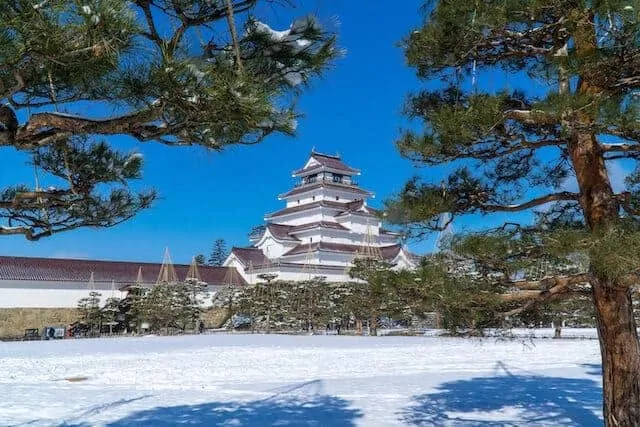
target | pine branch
x=47, y=128
x=619, y=148
x=531, y=117
x=548, y=287
x=152, y=34
x=555, y=197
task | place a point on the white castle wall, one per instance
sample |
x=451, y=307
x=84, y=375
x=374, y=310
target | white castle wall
x=28, y=294
x=319, y=194
x=360, y=224
x=300, y=218
x=273, y=248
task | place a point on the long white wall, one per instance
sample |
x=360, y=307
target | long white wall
x=47, y=297
x=62, y=298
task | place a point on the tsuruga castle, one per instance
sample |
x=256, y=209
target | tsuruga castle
x=325, y=224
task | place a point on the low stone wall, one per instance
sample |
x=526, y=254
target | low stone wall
x=13, y=321
x=215, y=317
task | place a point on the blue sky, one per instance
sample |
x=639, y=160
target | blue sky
x=354, y=110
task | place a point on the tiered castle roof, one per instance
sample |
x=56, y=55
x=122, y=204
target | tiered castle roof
x=325, y=177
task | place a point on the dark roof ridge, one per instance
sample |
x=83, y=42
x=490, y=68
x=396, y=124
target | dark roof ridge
x=331, y=156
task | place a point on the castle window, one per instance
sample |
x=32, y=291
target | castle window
x=337, y=197
x=337, y=177
x=298, y=201
x=313, y=198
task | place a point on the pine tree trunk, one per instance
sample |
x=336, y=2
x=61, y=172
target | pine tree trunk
x=617, y=334
x=620, y=352
x=619, y=345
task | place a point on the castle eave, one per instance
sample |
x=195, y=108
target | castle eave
x=305, y=188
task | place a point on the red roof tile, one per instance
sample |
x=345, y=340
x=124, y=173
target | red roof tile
x=281, y=231
x=328, y=161
x=322, y=224
x=387, y=252
x=300, y=208
x=326, y=184
x=343, y=208
x=75, y=270
x=250, y=256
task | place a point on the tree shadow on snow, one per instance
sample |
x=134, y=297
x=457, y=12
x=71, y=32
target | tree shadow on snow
x=282, y=409
x=508, y=400
x=593, y=369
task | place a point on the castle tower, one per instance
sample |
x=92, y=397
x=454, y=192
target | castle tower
x=326, y=222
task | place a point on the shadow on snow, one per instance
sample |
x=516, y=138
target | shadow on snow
x=508, y=400
x=321, y=410
x=298, y=405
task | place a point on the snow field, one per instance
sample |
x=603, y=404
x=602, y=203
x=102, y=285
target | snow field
x=261, y=380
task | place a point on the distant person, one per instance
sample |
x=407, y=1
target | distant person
x=201, y=327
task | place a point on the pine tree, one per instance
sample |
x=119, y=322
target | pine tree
x=375, y=296
x=514, y=150
x=196, y=293
x=153, y=70
x=219, y=253
x=110, y=313
x=160, y=309
x=89, y=311
x=200, y=259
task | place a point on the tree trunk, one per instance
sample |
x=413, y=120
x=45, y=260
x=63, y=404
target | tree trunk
x=620, y=352
x=619, y=346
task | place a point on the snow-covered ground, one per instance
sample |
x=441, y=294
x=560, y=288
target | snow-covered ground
x=269, y=380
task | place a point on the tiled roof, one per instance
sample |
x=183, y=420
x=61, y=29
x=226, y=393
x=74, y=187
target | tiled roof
x=322, y=224
x=327, y=161
x=281, y=231
x=250, y=256
x=356, y=205
x=325, y=203
x=389, y=232
x=76, y=270
x=387, y=252
x=343, y=208
x=326, y=184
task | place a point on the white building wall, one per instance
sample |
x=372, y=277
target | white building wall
x=298, y=274
x=48, y=297
x=233, y=261
x=324, y=258
x=387, y=240
x=300, y=218
x=303, y=199
x=331, y=276
x=273, y=248
x=360, y=224
x=319, y=194
x=321, y=234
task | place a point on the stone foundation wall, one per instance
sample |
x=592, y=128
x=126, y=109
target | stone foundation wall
x=13, y=321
